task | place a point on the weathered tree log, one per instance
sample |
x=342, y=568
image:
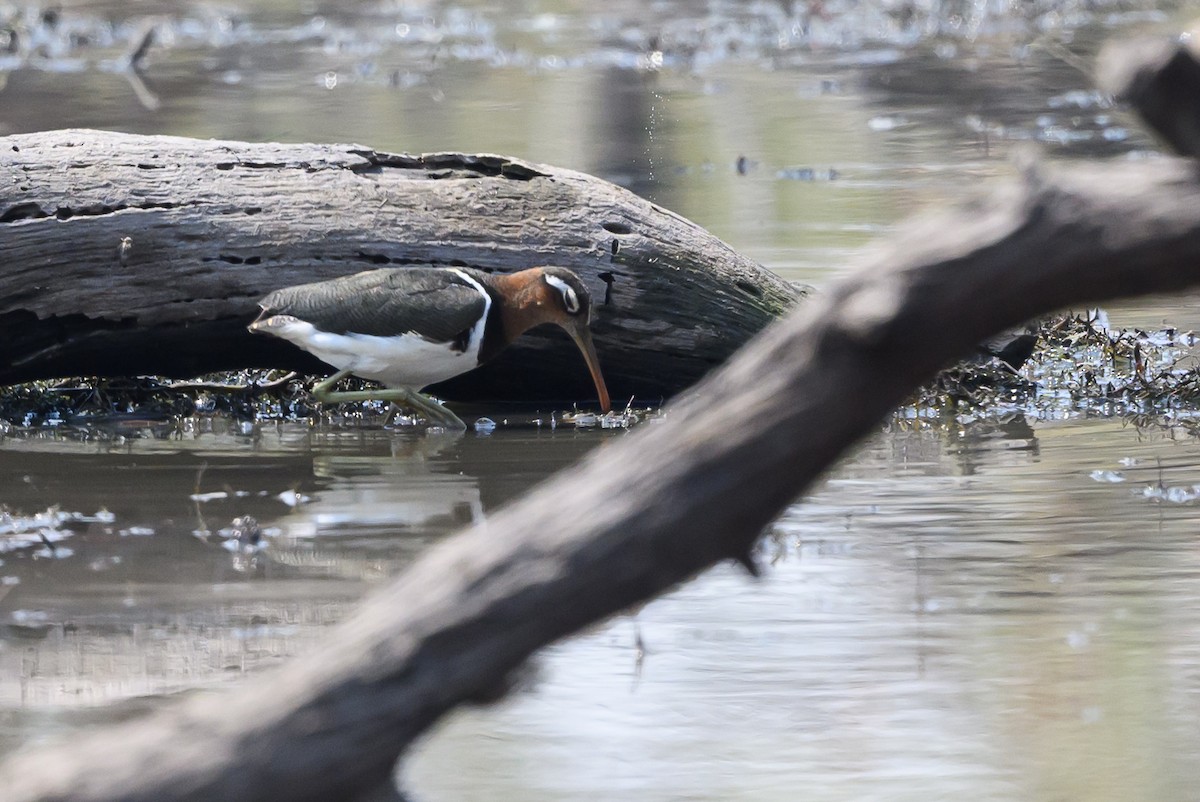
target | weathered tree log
x=655, y=509
x=124, y=254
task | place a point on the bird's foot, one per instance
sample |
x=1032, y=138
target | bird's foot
x=434, y=412
x=423, y=405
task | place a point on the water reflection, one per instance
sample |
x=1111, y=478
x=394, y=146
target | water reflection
x=143, y=598
x=1003, y=629
x=631, y=131
x=970, y=608
x=381, y=508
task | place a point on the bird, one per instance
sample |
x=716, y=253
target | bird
x=410, y=327
x=1012, y=348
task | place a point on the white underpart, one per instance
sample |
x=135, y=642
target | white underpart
x=407, y=360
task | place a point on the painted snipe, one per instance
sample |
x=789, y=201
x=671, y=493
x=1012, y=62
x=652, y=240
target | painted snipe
x=408, y=328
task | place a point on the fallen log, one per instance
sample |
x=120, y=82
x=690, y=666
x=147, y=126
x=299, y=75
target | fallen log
x=655, y=508
x=125, y=255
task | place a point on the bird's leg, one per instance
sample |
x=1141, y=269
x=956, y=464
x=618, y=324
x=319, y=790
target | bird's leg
x=434, y=412
x=322, y=391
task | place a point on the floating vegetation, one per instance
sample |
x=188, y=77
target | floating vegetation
x=1080, y=366
x=115, y=410
x=807, y=174
x=1111, y=371
x=616, y=419
x=243, y=534
x=290, y=498
x=399, y=45
x=146, y=406
x=1161, y=489
x=117, y=407
x=1174, y=494
x=41, y=533
x=245, y=539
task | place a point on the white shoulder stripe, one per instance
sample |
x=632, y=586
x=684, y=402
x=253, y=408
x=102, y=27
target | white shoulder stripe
x=476, y=340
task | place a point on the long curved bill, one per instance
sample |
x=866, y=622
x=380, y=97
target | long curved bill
x=582, y=336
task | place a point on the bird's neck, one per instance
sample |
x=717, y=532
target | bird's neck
x=516, y=308
x=521, y=304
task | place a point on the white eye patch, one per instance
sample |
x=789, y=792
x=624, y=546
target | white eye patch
x=570, y=299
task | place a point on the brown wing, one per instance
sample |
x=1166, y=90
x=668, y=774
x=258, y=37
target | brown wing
x=434, y=303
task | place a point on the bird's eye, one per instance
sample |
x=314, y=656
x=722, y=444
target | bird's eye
x=570, y=298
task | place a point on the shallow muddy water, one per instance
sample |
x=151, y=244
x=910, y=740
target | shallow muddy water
x=999, y=609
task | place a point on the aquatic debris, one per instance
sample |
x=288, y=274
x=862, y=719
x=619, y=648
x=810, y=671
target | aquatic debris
x=807, y=174
x=147, y=406
x=293, y=498
x=1080, y=366
x=105, y=563
x=1176, y=494
x=242, y=534
x=246, y=540
x=53, y=552
x=290, y=497
x=214, y=496
x=114, y=410
x=485, y=425
x=44, y=530
x=886, y=123
x=615, y=419
x=422, y=38
x=581, y=419
x=1108, y=476
x=19, y=540
x=627, y=417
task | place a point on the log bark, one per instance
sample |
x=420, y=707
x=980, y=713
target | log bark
x=129, y=254
x=651, y=511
